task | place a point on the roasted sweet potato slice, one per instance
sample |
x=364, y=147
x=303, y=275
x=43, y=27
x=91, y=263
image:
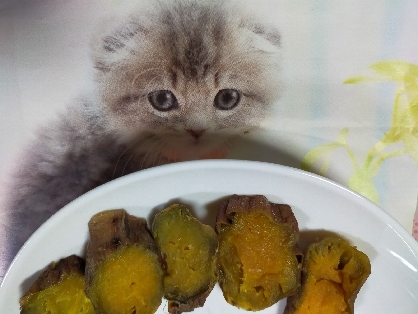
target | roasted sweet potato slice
x=124, y=271
x=189, y=248
x=259, y=260
x=333, y=273
x=59, y=289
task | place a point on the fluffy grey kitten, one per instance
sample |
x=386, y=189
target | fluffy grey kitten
x=173, y=83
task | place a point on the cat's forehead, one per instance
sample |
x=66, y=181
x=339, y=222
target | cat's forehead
x=193, y=41
x=191, y=38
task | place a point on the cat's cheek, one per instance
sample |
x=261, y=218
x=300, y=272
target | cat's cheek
x=227, y=114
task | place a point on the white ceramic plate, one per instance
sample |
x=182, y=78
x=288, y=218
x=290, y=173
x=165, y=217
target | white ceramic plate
x=318, y=204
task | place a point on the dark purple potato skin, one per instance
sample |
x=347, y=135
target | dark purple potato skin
x=281, y=213
x=111, y=230
x=56, y=271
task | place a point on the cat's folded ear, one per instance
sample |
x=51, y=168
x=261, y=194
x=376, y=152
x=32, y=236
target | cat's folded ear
x=115, y=43
x=267, y=35
x=256, y=24
x=268, y=32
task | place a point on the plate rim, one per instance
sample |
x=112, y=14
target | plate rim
x=407, y=238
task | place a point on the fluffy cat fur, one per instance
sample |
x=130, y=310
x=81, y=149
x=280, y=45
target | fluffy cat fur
x=193, y=49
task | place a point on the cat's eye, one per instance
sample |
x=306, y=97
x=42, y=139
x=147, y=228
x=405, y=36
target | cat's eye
x=163, y=100
x=227, y=99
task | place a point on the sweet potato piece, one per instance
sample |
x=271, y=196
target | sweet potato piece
x=189, y=248
x=259, y=260
x=124, y=273
x=333, y=273
x=59, y=289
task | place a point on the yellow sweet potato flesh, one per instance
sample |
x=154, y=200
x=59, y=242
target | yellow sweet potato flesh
x=257, y=260
x=67, y=296
x=189, y=249
x=128, y=281
x=333, y=274
x=324, y=297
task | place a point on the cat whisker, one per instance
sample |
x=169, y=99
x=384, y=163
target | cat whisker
x=229, y=144
x=129, y=159
x=126, y=164
x=160, y=159
x=149, y=152
x=221, y=151
x=162, y=144
x=96, y=124
x=145, y=88
x=158, y=153
x=124, y=152
x=139, y=74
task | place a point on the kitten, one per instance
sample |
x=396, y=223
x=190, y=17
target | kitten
x=178, y=82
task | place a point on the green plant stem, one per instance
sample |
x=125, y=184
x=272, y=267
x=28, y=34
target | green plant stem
x=375, y=165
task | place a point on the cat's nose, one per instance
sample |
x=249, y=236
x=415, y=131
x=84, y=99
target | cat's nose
x=195, y=133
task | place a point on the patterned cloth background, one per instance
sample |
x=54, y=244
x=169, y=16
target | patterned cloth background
x=349, y=108
x=350, y=104
x=415, y=226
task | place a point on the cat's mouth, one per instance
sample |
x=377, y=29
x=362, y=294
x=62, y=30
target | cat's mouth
x=174, y=154
x=200, y=147
x=174, y=147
